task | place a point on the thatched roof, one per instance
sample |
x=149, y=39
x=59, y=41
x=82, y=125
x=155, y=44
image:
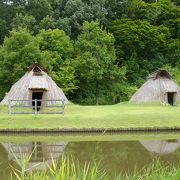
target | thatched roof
x=159, y=73
x=38, y=82
x=34, y=79
x=32, y=66
x=156, y=87
x=161, y=147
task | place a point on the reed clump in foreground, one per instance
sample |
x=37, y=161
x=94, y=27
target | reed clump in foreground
x=70, y=169
x=67, y=169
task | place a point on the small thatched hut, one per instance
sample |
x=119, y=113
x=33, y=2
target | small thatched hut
x=35, y=84
x=159, y=87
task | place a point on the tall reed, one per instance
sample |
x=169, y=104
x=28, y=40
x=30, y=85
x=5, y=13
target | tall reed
x=67, y=169
x=70, y=169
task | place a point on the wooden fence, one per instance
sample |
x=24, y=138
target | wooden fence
x=33, y=105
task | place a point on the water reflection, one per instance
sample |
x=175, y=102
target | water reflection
x=114, y=156
x=161, y=147
x=41, y=154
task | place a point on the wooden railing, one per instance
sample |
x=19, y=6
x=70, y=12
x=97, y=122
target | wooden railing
x=60, y=104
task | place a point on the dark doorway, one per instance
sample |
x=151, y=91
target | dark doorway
x=38, y=96
x=170, y=96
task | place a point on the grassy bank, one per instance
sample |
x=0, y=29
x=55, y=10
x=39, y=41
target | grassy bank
x=89, y=137
x=122, y=115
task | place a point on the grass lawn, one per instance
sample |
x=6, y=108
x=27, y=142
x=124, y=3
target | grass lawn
x=123, y=115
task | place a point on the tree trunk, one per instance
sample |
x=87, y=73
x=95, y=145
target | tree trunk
x=97, y=93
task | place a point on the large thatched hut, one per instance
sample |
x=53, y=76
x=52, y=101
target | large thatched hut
x=35, y=84
x=159, y=87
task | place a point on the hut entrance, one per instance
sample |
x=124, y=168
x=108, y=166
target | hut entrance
x=170, y=97
x=38, y=96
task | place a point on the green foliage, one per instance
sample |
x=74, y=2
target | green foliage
x=3, y=29
x=146, y=35
x=140, y=46
x=17, y=53
x=52, y=49
x=59, y=49
x=23, y=21
x=39, y=9
x=58, y=44
x=47, y=22
x=139, y=38
x=173, y=52
x=65, y=78
x=174, y=72
x=70, y=14
x=95, y=59
x=156, y=12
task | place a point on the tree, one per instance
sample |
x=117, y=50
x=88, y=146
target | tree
x=17, y=52
x=6, y=15
x=139, y=38
x=156, y=12
x=3, y=29
x=70, y=14
x=23, y=21
x=95, y=59
x=59, y=49
x=175, y=72
x=147, y=37
x=140, y=46
x=72, y=17
x=39, y=9
x=47, y=23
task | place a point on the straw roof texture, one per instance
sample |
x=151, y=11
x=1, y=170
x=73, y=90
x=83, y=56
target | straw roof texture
x=23, y=88
x=156, y=87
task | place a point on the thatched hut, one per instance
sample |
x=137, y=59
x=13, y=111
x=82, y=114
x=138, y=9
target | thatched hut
x=35, y=84
x=159, y=87
x=161, y=147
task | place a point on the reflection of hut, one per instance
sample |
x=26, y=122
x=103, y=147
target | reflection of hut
x=35, y=84
x=161, y=147
x=159, y=87
x=41, y=153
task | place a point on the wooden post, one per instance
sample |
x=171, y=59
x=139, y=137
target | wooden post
x=9, y=107
x=63, y=107
x=35, y=106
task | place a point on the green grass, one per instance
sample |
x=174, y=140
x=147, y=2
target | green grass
x=122, y=115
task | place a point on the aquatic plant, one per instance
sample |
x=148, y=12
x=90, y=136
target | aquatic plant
x=67, y=169
x=155, y=171
x=70, y=169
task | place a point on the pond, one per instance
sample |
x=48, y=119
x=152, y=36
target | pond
x=116, y=153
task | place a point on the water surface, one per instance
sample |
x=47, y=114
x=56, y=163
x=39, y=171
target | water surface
x=115, y=156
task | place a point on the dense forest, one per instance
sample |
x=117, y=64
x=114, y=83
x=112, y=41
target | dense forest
x=97, y=51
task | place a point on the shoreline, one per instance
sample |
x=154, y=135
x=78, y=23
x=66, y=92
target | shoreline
x=87, y=130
